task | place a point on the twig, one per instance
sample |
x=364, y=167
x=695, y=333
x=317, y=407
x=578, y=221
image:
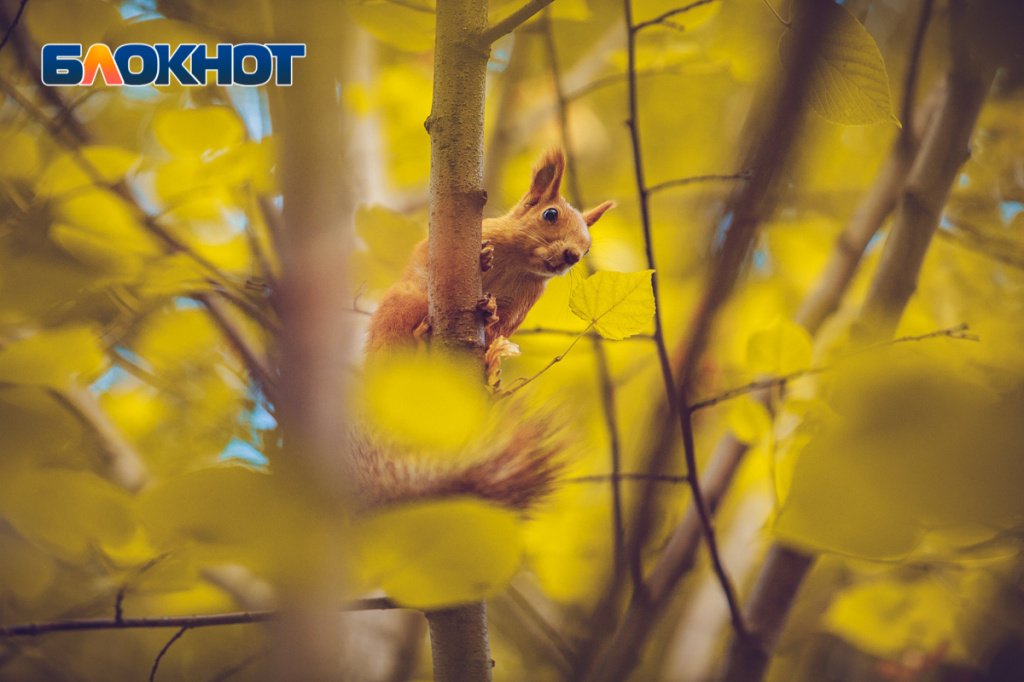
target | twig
x=558, y=358
x=604, y=478
x=679, y=182
x=554, y=636
x=123, y=464
x=771, y=147
x=252, y=358
x=669, y=14
x=569, y=332
x=957, y=332
x=677, y=408
x=14, y=23
x=597, y=342
x=249, y=308
x=511, y=22
x=201, y=621
x=174, y=638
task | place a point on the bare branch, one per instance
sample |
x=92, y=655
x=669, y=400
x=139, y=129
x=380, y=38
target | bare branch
x=174, y=638
x=604, y=478
x=661, y=18
x=14, y=23
x=512, y=21
x=202, y=621
x=253, y=359
x=680, y=182
x=558, y=358
x=123, y=464
x=957, y=332
x=597, y=342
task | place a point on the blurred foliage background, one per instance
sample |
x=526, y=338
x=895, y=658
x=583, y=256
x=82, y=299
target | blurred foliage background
x=139, y=236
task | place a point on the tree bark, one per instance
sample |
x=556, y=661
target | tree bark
x=457, y=197
x=458, y=643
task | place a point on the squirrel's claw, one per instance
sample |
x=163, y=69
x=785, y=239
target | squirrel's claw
x=486, y=255
x=422, y=332
x=488, y=305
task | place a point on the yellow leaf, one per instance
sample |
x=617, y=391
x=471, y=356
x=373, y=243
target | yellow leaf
x=100, y=215
x=19, y=155
x=390, y=238
x=68, y=173
x=198, y=133
x=407, y=26
x=442, y=553
x=25, y=571
x=53, y=357
x=749, y=419
x=426, y=403
x=849, y=84
x=67, y=512
x=619, y=304
x=887, y=617
x=783, y=348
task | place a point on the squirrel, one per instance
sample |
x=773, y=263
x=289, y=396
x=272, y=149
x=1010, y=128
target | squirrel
x=540, y=238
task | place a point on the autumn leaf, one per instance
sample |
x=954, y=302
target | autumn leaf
x=849, y=84
x=618, y=304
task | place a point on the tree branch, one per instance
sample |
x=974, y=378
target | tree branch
x=13, y=24
x=202, y=621
x=558, y=358
x=773, y=139
x=123, y=464
x=455, y=635
x=156, y=663
x=669, y=14
x=923, y=197
x=511, y=22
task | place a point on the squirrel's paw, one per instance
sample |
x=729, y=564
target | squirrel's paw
x=486, y=255
x=488, y=305
x=422, y=332
x=499, y=348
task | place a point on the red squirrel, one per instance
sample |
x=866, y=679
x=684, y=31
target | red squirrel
x=541, y=237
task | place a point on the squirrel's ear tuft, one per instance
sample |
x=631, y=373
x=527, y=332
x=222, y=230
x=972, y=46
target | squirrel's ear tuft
x=592, y=216
x=547, y=177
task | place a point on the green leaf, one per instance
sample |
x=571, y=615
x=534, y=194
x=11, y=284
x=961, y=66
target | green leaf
x=783, y=348
x=849, y=84
x=440, y=553
x=617, y=304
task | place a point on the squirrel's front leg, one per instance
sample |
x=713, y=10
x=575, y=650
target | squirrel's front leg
x=422, y=333
x=486, y=255
x=488, y=306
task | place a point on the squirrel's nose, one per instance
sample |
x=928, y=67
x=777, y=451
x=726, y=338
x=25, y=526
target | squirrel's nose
x=572, y=257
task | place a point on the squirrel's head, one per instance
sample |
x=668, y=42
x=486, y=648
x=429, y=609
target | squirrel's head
x=559, y=235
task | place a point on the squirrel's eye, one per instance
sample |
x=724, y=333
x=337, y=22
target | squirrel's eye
x=551, y=215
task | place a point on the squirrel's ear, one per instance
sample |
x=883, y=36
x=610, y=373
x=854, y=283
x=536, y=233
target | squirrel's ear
x=591, y=216
x=547, y=177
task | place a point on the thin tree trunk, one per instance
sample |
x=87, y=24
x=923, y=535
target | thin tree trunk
x=318, y=178
x=458, y=643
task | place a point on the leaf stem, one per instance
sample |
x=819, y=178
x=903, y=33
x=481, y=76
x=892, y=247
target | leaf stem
x=785, y=23
x=558, y=358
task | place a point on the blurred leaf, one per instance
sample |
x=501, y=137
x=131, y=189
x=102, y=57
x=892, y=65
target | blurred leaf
x=442, y=553
x=53, y=358
x=619, y=304
x=19, y=155
x=69, y=513
x=426, y=403
x=849, y=83
x=82, y=21
x=783, y=348
x=390, y=237
x=198, y=133
x=66, y=173
x=407, y=26
x=749, y=419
